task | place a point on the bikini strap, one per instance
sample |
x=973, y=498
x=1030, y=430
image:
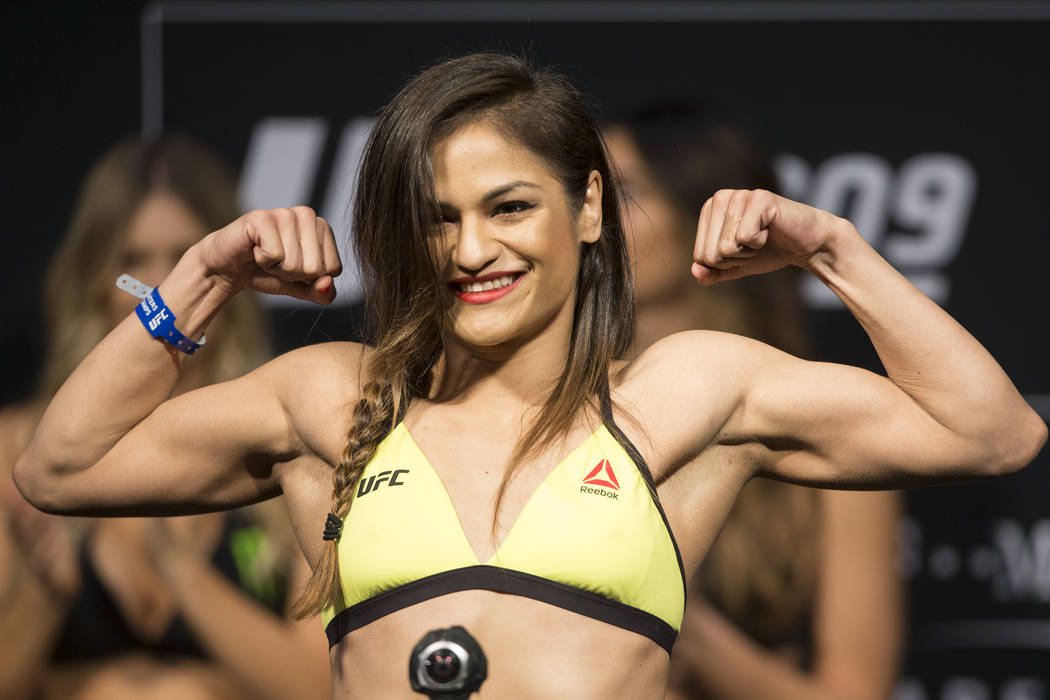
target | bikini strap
x=625, y=442
x=643, y=469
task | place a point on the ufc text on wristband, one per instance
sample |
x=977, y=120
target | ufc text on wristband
x=155, y=315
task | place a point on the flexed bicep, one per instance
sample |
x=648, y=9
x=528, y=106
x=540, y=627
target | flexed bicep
x=945, y=409
x=111, y=441
x=207, y=449
x=814, y=423
x=214, y=448
x=832, y=425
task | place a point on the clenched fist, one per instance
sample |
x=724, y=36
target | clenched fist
x=276, y=251
x=749, y=232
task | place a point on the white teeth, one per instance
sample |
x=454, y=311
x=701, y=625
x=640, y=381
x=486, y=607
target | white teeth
x=475, y=287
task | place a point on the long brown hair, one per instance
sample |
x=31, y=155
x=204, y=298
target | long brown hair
x=394, y=219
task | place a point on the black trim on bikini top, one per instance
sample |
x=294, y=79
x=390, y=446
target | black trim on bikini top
x=520, y=583
x=502, y=580
x=643, y=467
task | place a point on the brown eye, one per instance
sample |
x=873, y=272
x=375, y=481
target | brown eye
x=512, y=207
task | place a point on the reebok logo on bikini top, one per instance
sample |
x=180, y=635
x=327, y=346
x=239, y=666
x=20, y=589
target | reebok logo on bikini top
x=604, y=476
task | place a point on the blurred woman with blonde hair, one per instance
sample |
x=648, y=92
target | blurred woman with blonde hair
x=139, y=607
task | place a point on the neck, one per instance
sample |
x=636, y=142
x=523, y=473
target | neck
x=522, y=372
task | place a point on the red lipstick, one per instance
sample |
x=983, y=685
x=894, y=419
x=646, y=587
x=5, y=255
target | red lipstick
x=489, y=295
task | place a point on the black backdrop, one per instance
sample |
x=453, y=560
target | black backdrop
x=923, y=122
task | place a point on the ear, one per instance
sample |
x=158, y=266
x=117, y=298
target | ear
x=589, y=222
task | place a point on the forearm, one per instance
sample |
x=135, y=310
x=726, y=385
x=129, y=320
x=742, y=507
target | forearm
x=120, y=382
x=927, y=354
x=730, y=666
x=278, y=659
x=858, y=615
x=31, y=618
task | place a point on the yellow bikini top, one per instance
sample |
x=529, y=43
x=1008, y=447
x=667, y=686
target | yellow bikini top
x=592, y=539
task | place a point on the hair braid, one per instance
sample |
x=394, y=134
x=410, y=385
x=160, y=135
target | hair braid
x=399, y=376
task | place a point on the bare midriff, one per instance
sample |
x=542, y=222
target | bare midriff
x=534, y=650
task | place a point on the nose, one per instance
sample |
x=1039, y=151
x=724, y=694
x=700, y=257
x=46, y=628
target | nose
x=474, y=246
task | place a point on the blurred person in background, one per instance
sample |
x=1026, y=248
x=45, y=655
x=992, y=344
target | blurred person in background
x=188, y=607
x=799, y=597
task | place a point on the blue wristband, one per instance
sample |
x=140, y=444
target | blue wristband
x=160, y=322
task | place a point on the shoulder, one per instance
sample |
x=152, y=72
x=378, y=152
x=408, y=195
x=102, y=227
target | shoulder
x=325, y=370
x=685, y=388
x=317, y=387
x=711, y=360
x=322, y=362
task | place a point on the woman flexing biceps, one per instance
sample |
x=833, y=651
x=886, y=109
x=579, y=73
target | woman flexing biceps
x=488, y=230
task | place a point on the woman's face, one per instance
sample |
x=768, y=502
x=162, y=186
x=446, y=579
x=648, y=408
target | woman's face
x=510, y=244
x=657, y=233
x=159, y=232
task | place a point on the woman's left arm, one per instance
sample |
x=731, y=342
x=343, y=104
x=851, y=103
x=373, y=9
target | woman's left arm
x=947, y=410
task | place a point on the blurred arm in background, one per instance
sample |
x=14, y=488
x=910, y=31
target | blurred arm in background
x=847, y=646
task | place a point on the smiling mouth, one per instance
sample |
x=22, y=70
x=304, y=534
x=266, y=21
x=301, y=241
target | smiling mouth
x=487, y=288
x=476, y=286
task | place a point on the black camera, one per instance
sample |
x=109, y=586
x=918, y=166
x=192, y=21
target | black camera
x=447, y=664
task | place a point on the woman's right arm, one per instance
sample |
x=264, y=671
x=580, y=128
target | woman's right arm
x=111, y=441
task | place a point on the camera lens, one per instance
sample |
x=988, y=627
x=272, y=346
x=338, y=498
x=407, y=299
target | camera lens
x=447, y=664
x=442, y=665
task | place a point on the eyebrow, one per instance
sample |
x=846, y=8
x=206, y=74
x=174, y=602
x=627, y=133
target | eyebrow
x=500, y=191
